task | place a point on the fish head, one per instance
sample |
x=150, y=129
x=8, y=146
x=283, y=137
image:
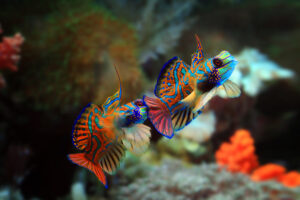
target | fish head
x=140, y=110
x=222, y=67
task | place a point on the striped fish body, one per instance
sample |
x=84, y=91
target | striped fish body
x=182, y=90
x=94, y=134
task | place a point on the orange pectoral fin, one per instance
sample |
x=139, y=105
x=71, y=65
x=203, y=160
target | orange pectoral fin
x=81, y=160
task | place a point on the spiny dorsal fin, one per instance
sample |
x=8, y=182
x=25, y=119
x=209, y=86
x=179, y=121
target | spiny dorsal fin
x=171, y=73
x=112, y=157
x=198, y=56
x=113, y=101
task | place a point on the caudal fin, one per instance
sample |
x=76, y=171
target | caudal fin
x=160, y=116
x=81, y=160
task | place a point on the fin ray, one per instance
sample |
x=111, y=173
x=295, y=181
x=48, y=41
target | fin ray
x=112, y=157
x=81, y=160
x=160, y=116
x=137, y=138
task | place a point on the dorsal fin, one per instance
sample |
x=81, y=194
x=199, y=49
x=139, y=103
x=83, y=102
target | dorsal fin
x=198, y=56
x=113, y=101
x=112, y=157
x=86, y=123
x=170, y=75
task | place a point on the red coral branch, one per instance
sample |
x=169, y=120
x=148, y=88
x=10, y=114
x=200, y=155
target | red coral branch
x=239, y=154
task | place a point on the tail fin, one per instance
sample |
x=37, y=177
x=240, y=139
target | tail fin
x=160, y=116
x=81, y=160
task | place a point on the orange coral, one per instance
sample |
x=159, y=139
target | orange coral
x=239, y=154
x=291, y=179
x=268, y=172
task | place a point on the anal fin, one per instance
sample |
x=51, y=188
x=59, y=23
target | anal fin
x=183, y=116
x=112, y=157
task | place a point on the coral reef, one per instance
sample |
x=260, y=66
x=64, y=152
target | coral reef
x=239, y=154
x=290, y=179
x=254, y=68
x=175, y=180
x=10, y=48
x=74, y=58
x=78, y=191
x=278, y=173
x=267, y=172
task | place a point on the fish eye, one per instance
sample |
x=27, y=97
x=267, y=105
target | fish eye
x=138, y=103
x=217, y=62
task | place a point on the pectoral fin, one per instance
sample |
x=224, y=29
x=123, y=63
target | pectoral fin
x=137, y=138
x=232, y=89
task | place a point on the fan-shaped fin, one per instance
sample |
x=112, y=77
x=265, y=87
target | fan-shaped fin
x=112, y=157
x=232, y=89
x=137, y=138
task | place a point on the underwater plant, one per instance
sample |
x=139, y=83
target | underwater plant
x=10, y=48
x=238, y=155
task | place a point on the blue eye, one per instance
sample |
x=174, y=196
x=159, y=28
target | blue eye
x=217, y=62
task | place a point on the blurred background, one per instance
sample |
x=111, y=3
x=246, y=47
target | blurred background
x=56, y=56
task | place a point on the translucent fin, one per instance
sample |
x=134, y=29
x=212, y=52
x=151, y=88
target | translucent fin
x=137, y=138
x=81, y=160
x=112, y=157
x=160, y=116
x=170, y=74
x=232, y=89
x=86, y=123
